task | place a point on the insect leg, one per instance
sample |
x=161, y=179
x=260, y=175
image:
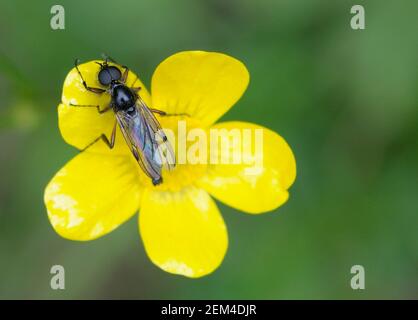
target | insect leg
x=133, y=82
x=92, y=106
x=91, y=89
x=163, y=113
x=160, y=112
x=125, y=74
x=136, y=89
x=110, y=143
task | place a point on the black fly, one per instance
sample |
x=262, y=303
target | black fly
x=140, y=128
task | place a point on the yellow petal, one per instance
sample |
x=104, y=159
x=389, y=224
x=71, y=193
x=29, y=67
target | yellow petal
x=92, y=195
x=79, y=126
x=202, y=84
x=260, y=183
x=183, y=232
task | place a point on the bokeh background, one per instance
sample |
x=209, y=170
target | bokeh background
x=345, y=100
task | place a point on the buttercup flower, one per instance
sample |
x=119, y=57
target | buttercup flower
x=181, y=227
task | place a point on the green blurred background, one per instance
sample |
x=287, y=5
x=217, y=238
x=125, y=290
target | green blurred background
x=345, y=100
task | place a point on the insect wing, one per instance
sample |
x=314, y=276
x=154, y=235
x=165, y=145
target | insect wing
x=141, y=141
x=164, y=148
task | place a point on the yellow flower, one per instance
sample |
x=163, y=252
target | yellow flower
x=179, y=222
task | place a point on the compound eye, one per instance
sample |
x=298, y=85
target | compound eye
x=114, y=73
x=105, y=77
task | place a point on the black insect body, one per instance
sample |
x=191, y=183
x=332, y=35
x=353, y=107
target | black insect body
x=141, y=130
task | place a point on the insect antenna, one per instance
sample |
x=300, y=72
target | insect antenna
x=107, y=58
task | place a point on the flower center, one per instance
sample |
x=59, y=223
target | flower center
x=187, y=138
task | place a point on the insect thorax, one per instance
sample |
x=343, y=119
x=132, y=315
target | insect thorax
x=122, y=97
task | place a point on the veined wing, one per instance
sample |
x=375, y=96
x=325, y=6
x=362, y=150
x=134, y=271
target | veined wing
x=148, y=145
x=164, y=149
x=140, y=142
